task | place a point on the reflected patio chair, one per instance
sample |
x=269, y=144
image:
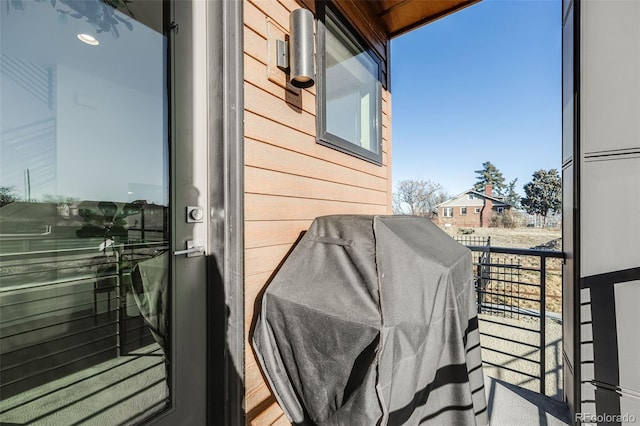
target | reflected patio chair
x=149, y=283
x=106, y=271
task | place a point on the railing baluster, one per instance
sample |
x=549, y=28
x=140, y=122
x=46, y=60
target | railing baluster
x=543, y=323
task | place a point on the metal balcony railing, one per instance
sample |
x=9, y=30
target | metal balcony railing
x=65, y=307
x=518, y=292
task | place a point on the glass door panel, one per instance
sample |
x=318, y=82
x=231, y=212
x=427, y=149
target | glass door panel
x=84, y=212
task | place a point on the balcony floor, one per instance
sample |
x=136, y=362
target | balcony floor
x=56, y=402
x=510, y=405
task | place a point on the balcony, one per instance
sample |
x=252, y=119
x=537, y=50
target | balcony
x=523, y=382
x=520, y=321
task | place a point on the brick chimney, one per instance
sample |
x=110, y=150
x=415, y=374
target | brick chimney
x=487, y=210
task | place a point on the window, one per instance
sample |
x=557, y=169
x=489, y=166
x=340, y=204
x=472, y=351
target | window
x=500, y=209
x=470, y=196
x=349, y=90
x=476, y=210
x=447, y=211
x=463, y=211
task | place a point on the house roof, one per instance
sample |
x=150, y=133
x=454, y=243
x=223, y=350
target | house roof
x=400, y=16
x=497, y=201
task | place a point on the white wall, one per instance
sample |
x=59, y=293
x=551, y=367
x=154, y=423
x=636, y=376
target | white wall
x=109, y=136
x=609, y=125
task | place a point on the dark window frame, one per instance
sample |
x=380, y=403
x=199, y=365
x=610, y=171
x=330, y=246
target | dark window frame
x=324, y=8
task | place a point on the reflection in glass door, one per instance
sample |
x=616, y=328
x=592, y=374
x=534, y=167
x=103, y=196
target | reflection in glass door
x=83, y=212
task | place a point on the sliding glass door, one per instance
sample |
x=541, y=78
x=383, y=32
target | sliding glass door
x=87, y=217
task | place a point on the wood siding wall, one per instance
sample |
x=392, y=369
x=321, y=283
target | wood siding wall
x=289, y=178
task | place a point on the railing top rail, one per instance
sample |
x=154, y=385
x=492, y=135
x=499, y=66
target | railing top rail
x=92, y=249
x=519, y=251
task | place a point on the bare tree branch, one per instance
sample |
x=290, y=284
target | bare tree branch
x=417, y=197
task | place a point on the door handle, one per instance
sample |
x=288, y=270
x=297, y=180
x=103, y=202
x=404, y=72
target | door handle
x=192, y=250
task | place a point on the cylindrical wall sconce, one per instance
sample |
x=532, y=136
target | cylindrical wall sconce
x=301, y=46
x=296, y=57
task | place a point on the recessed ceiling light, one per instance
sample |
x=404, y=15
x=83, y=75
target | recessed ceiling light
x=86, y=38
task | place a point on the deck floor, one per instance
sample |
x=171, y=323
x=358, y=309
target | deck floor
x=110, y=392
x=510, y=405
x=123, y=390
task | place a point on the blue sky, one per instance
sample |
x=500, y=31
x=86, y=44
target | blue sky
x=483, y=84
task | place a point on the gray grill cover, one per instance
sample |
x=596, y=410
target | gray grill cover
x=372, y=320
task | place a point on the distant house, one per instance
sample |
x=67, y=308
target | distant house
x=471, y=208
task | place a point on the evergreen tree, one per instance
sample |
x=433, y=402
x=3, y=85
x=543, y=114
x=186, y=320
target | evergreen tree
x=543, y=194
x=490, y=175
x=512, y=196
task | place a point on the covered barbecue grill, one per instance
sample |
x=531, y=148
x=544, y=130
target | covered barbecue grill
x=372, y=320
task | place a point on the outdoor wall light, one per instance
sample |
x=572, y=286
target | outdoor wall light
x=295, y=56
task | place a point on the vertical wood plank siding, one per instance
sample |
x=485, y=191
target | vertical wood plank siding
x=289, y=178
